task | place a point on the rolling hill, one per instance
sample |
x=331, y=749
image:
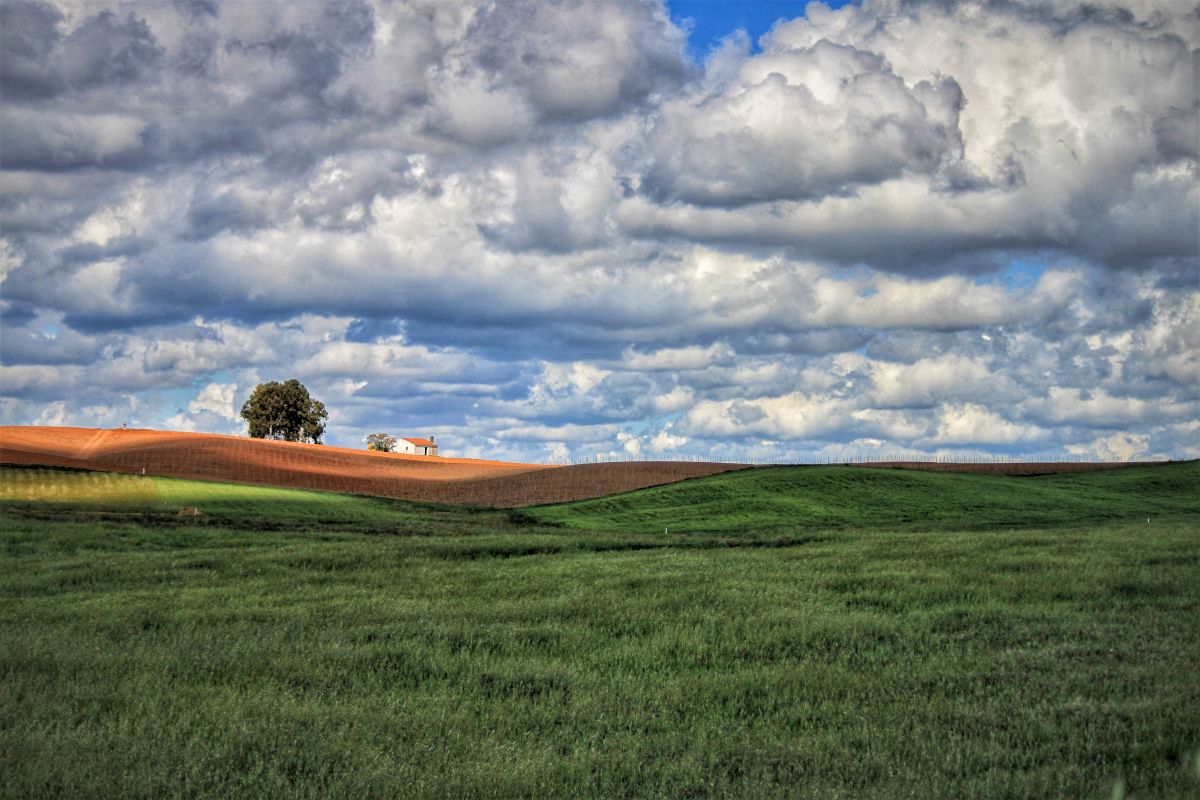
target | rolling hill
x=458, y=481
x=830, y=497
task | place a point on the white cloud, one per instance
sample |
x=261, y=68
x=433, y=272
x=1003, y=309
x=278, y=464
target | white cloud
x=1060, y=114
x=1097, y=407
x=791, y=416
x=895, y=425
x=803, y=123
x=970, y=423
x=217, y=398
x=1117, y=447
x=665, y=442
x=678, y=358
x=898, y=227
x=557, y=452
x=565, y=381
x=559, y=433
x=215, y=409
x=931, y=381
x=478, y=115
x=53, y=414
x=679, y=398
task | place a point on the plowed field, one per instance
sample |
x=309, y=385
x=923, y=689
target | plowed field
x=234, y=459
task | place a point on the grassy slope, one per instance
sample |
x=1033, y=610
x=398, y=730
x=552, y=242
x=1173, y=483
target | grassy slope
x=58, y=492
x=228, y=655
x=819, y=498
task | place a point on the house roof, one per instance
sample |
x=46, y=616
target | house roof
x=420, y=442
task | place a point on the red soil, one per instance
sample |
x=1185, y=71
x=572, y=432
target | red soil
x=458, y=481
x=205, y=456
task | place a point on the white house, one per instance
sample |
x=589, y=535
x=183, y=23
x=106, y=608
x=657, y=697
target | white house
x=416, y=447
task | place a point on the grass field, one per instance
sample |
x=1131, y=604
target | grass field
x=1033, y=637
x=819, y=498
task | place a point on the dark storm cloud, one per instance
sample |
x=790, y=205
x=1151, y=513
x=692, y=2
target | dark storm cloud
x=1177, y=134
x=14, y=315
x=88, y=252
x=29, y=37
x=40, y=203
x=24, y=344
x=37, y=61
x=108, y=49
x=1063, y=17
x=221, y=214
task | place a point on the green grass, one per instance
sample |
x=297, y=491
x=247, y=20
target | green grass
x=61, y=492
x=269, y=649
x=820, y=498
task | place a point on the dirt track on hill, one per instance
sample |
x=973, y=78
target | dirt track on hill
x=430, y=479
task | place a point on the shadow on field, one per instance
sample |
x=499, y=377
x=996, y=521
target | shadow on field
x=470, y=550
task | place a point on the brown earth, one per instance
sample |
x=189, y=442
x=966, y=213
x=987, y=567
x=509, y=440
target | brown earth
x=457, y=481
x=460, y=481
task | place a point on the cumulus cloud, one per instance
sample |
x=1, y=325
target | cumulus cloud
x=895, y=227
x=1117, y=447
x=665, y=442
x=678, y=358
x=941, y=130
x=931, y=381
x=971, y=423
x=800, y=124
x=215, y=409
x=566, y=71
x=1098, y=408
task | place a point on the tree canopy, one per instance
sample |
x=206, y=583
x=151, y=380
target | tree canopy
x=381, y=442
x=285, y=411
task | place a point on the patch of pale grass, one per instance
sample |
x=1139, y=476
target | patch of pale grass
x=85, y=488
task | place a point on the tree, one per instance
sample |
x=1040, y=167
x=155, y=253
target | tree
x=381, y=442
x=285, y=411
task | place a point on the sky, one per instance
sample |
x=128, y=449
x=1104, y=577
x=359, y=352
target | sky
x=559, y=231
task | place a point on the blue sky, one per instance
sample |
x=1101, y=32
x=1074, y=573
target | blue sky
x=556, y=231
x=712, y=20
